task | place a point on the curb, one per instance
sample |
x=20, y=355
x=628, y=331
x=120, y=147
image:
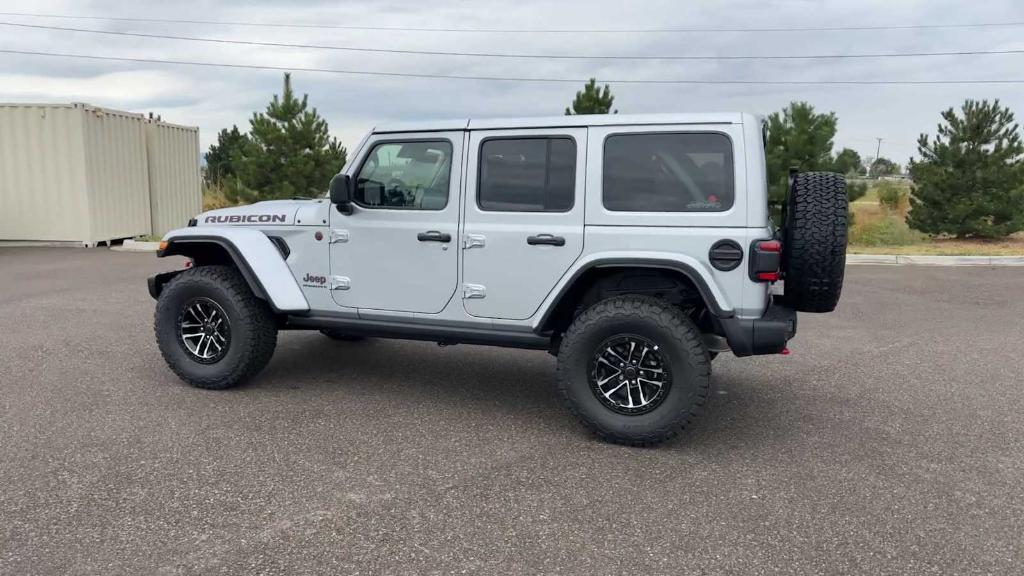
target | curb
x=907, y=260
x=41, y=244
x=133, y=246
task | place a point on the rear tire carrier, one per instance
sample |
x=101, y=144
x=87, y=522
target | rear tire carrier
x=814, y=241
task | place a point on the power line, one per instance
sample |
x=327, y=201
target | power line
x=509, y=78
x=522, y=30
x=517, y=56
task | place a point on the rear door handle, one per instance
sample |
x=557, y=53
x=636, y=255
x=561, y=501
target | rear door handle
x=434, y=236
x=547, y=239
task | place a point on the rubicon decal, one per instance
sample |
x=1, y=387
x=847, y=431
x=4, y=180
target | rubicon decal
x=247, y=219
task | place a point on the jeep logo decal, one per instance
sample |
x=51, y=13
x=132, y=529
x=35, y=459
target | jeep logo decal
x=309, y=278
x=247, y=219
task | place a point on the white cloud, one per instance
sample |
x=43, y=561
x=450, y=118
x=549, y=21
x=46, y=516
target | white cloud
x=132, y=88
x=215, y=98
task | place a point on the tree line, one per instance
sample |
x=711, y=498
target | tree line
x=967, y=182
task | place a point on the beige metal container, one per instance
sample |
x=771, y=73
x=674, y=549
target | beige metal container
x=80, y=173
x=175, y=185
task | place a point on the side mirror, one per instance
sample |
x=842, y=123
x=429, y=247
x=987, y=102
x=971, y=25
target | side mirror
x=341, y=193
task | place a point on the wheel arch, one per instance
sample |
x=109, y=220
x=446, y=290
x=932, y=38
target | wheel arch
x=582, y=280
x=250, y=251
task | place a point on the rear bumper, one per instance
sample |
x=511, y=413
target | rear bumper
x=765, y=335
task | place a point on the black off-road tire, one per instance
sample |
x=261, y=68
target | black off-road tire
x=253, y=331
x=814, y=242
x=341, y=335
x=676, y=337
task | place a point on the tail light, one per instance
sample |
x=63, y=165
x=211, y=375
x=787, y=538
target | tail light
x=765, y=260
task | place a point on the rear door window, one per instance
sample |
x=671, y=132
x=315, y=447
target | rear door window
x=668, y=172
x=527, y=174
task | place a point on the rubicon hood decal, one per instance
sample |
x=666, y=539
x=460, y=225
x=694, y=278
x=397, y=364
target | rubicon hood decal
x=246, y=219
x=272, y=213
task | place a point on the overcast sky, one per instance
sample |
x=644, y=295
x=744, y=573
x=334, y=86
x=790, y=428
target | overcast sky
x=215, y=98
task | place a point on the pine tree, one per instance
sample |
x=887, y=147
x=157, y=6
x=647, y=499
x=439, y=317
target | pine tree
x=848, y=161
x=289, y=152
x=970, y=179
x=218, y=159
x=797, y=136
x=592, y=100
x=884, y=167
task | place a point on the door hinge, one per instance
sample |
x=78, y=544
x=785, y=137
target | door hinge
x=474, y=291
x=340, y=283
x=339, y=236
x=473, y=241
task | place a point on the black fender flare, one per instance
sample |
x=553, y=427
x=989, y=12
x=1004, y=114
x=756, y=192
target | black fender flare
x=654, y=263
x=183, y=247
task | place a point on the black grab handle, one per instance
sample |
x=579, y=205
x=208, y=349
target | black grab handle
x=434, y=236
x=547, y=239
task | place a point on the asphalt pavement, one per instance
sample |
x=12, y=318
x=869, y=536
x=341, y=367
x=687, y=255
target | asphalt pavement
x=891, y=441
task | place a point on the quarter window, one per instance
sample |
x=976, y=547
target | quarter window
x=405, y=175
x=668, y=173
x=527, y=174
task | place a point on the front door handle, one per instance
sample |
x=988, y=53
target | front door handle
x=434, y=236
x=547, y=239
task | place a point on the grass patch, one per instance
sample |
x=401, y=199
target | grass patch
x=872, y=194
x=878, y=229
x=889, y=230
x=948, y=247
x=870, y=198
x=876, y=225
x=213, y=198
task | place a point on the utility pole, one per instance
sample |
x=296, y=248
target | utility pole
x=878, y=150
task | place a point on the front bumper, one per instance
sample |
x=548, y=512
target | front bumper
x=765, y=335
x=157, y=281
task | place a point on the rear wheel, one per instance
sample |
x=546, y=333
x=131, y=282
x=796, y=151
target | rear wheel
x=633, y=369
x=814, y=242
x=212, y=331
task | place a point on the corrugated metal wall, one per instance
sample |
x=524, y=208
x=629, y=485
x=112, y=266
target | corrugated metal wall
x=118, y=179
x=42, y=174
x=175, y=185
x=87, y=174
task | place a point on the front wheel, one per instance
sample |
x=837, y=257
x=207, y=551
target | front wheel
x=634, y=370
x=212, y=331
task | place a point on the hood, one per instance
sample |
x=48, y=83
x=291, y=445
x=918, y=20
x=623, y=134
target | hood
x=270, y=212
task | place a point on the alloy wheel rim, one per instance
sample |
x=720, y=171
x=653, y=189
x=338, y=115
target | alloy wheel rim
x=629, y=374
x=204, y=330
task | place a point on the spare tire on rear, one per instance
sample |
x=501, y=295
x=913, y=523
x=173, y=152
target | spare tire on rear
x=814, y=241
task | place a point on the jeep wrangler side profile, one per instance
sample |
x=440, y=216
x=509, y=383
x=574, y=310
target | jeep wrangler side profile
x=634, y=248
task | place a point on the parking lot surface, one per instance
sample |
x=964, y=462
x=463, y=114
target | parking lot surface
x=890, y=442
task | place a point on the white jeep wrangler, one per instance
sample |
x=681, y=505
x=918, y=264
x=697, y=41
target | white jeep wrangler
x=634, y=248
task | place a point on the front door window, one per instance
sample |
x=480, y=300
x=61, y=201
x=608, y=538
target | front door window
x=406, y=175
